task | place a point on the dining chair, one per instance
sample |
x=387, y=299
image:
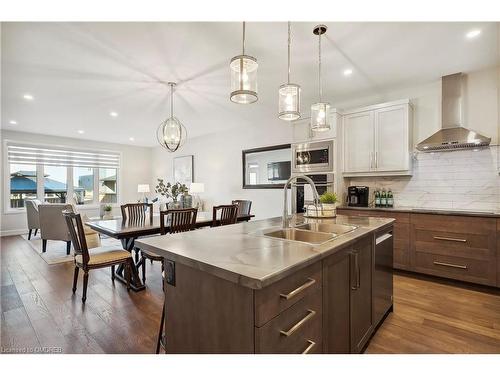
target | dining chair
x=101, y=257
x=225, y=214
x=137, y=212
x=32, y=216
x=179, y=220
x=243, y=206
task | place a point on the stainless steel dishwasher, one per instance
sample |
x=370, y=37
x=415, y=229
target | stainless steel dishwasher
x=382, y=277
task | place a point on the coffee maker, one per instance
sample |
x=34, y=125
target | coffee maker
x=357, y=196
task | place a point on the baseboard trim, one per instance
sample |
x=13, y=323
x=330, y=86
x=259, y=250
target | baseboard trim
x=12, y=232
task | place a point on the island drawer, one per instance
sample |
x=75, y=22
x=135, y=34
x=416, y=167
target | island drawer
x=279, y=296
x=472, y=270
x=295, y=330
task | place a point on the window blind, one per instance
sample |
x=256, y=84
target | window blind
x=29, y=154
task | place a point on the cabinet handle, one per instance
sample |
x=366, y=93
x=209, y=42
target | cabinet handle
x=450, y=265
x=301, y=288
x=449, y=239
x=357, y=273
x=300, y=323
x=311, y=345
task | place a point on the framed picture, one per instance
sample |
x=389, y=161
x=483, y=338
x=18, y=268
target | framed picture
x=183, y=169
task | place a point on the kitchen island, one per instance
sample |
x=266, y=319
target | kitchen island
x=234, y=289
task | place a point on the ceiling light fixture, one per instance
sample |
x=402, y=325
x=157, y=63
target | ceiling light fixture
x=289, y=94
x=243, y=77
x=28, y=97
x=171, y=134
x=113, y=114
x=131, y=139
x=347, y=72
x=13, y=122
x=473, y=33
x=320, y=111
x=81, y=131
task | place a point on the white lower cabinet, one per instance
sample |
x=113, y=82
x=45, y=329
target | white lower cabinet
x=377, y=140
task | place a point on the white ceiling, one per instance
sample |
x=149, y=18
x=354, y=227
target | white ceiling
x=79, y=72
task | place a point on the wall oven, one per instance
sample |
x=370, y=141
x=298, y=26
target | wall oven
x=302, y=193
x=312, y=157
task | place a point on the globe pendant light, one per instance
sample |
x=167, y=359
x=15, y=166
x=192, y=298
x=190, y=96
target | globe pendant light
x=320, y=111
x=171, y=134
x=289, y=94
x=243, y=77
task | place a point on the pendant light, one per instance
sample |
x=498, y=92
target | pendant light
x=171, y=134
x=320, y=111
x=289, y=94
x=243, y=77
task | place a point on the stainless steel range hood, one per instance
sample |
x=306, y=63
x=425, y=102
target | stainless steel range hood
x=452, y=135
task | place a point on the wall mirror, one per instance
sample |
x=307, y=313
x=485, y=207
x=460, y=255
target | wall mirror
x=266, y=167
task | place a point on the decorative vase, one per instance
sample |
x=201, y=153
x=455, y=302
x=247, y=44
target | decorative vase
x=174, y=205
x=186, y=201
x=107, y=215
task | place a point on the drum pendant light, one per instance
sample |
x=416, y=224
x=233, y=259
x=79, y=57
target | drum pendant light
x=320, y=111
x=171, y=134
x=289, y=94
x=243, y=77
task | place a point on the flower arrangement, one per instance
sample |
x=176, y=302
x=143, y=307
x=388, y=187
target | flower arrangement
x=170, y=190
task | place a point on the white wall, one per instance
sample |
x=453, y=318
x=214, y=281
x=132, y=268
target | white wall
x=137, y=169
x=218, y=164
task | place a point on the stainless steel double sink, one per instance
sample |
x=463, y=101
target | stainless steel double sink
x=312, y=233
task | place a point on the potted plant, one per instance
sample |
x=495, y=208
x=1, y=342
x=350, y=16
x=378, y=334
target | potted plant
x=172, y=191
x=328, y=206
x=107, y=212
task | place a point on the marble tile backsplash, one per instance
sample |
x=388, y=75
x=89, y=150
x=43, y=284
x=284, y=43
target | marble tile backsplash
x=461, y=180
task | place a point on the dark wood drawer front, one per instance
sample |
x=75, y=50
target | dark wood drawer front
x=466, y=245
x=295, y=330
x=454, y=224
x=271, y=301
x=476, y=271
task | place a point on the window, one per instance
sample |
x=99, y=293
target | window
x=83, y=185
x=57, y=174
x=55, y=186
x=107, y=185
x=23, y=184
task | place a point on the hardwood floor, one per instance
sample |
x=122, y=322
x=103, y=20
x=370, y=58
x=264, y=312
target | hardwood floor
x=40, y=312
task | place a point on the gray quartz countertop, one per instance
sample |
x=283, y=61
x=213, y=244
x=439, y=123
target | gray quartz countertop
x=427, y=211
x=241, y=254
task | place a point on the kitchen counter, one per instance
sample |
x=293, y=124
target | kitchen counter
x=241, y=254
x=427, y=211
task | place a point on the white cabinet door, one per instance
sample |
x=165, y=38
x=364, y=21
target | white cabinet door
x=391, y=139
x=358, y=142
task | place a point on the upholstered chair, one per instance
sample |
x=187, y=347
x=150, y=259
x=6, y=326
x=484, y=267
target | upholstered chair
x=52, y=224
x=32, y=215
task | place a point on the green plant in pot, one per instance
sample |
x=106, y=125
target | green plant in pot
x=328, y=206
x=107, y=211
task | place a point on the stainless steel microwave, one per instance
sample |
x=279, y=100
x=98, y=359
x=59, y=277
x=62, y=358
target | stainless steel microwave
x=312, y=157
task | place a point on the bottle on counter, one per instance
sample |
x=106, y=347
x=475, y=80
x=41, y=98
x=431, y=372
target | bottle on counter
x=390, y=199
x=377, y=198
x=383, y=199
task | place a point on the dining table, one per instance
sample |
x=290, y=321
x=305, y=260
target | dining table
x=128, y=231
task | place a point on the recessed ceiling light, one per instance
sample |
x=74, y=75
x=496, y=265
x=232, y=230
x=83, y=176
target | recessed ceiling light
x=131, y=139
x=13, y=122
x=113, y=114
x=28, y=97
x=81, y=131
x=347, y=72
x=473, y=33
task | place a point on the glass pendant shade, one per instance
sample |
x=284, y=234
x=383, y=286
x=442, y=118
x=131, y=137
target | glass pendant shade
x=320, y=117
x=244, y=79
x=171, y=134
x=289, y=102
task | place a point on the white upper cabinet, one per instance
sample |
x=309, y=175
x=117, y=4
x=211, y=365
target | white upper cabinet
x=377, y=140
x=302, y=129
